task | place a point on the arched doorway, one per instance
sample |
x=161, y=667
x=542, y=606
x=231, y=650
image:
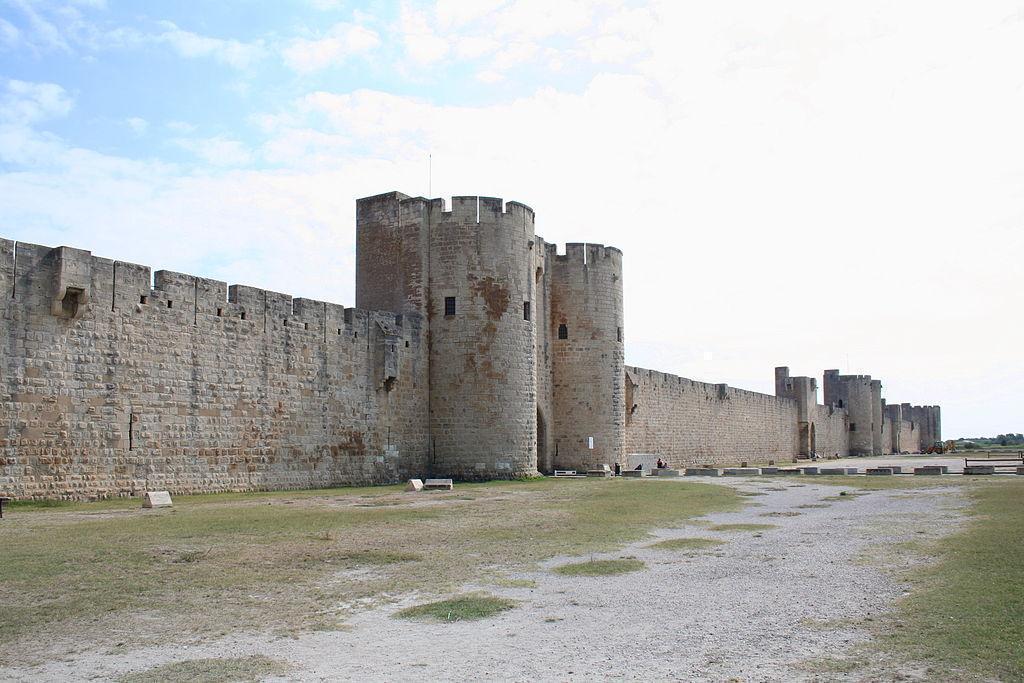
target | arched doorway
x=542, y=443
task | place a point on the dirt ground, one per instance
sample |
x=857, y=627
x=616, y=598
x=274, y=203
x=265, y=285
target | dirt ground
x=797, y=601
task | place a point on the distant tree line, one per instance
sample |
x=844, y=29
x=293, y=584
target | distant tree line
x=988, y=441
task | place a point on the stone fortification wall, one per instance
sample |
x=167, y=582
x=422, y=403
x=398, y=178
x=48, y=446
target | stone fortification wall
x=831, y=431
x=689, y=423
x=111, y=383
x=588, y=356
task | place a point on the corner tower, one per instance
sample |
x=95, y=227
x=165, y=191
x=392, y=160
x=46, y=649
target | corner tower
x=587, y=359
x=469, y=272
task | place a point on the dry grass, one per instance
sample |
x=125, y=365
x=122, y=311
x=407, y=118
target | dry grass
x=110, y=572
x=687, y=544
x=601, y=567
x=741, y=527
x=233, y=670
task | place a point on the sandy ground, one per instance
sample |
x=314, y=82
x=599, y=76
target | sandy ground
x=767, y=605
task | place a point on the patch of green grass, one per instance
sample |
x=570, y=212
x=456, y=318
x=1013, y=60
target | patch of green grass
x=233, y=670
x=967, y=611
x=600, y=567
x=463, y=608
x=686, y=544
x=741, y=527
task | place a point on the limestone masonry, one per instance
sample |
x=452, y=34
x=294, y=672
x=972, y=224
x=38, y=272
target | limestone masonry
x=475, y=351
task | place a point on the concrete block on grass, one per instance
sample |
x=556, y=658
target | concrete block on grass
x=703, y=472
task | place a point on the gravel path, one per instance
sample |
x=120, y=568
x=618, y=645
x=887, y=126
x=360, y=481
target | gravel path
x=765, y=606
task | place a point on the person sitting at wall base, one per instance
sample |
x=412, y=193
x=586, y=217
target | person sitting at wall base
x=661, y=464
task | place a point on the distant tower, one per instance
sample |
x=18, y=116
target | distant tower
x=803, y=390
x=469, y=272
x=588, y=359
x=857, y=395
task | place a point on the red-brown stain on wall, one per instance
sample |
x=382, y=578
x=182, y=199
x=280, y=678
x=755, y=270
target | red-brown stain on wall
x=494, y=295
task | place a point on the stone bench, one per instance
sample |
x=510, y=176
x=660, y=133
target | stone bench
x=634, y=473
x=878, y=471
x=702, y=472
x=1020, y=470
x=769, y=470
x=599, y=473
x=932, y=469
x=808, y=470
x=664, y=472
x=438, y=485
x=789, y=470
x=565, y=473
x=741, y=471
x=838, y=470
x=414, y=485
x=980, y=469
x=2, y=501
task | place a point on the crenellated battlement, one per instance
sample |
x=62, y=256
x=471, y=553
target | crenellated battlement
x=586, y=254
x=34, y=276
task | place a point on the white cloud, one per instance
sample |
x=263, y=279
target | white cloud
x=423, y=46
x=218, y=151
x=138, y=125
x=25, y=103
x=181, y=127
x=342, y=41
x=10, y=36
x=231, y=52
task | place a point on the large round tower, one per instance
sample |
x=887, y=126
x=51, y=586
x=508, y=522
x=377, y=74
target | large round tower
x=588, y=359
x=483, y=396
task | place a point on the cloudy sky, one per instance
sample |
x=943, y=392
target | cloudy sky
x=818, y=184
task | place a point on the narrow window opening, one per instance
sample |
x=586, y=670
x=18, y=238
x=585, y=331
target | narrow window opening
x=243, y=315
x=305, y=326
x=853, y=426
x=449, y=305
x=406, y=344
x=131, y=431
x=526, y=310
x=355, y=335
x=286, y=322
x=840, y=403
x=170, y=304
x=143, y=299
x=618, y=333
x=220, y=312
x=339, y=331
x=563, y=331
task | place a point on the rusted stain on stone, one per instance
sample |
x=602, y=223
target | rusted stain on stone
x=495, y=296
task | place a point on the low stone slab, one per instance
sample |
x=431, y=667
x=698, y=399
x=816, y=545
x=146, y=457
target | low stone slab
x=741, y=471
x=702, y=472
x=565, y=473
x=599, y=473
x=809, y=470
x=414, y=485
x=664, y=472
x=634, y=473
x=1020, y=470
x=769, y=470
x=896, y=469
x=931, y=469
x=878, y=470
x=788, y=470
x=980, y=469
x=156, y=499
x=837, y=470
x=438, y=485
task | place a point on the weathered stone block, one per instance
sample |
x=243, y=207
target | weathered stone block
x=414, y=485
x=664, y=472
x=931, y=469
x=741, y=471
x=156, y=499
x=980, y=469
x=838, y=470
x=878, y=470
x=702, y=472
x=809, y=470
x=769, y=470
x=438, y=485
x=599, y=473
x=634, y=473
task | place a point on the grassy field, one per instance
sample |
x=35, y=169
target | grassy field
x=110, y=572
x=966, y=614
